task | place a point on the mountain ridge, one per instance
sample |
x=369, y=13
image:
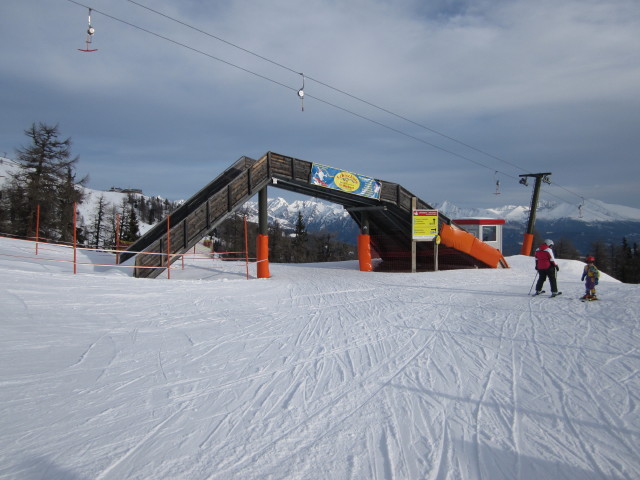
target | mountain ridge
x=583, y=226
x=592, y=210
x=593, y=220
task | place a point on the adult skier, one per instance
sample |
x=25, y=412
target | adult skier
x=547, y=268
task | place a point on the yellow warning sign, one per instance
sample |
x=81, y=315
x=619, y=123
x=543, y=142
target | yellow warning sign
x=425, y=225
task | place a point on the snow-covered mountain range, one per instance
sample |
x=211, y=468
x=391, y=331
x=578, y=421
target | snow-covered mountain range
x=591, y=210
x=318, y=216
x=582, y=224
x=593, y=221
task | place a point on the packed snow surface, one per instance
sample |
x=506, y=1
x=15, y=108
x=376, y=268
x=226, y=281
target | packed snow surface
x=320, y=372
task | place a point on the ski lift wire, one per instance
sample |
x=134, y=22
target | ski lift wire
x=175, y=42
x=343, y=92
x=320, y=82
x=331, y=104
x=264, y=77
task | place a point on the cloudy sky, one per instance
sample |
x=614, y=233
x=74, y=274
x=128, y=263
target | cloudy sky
x=444, y=97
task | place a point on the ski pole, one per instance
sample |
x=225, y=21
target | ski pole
x=534, y=281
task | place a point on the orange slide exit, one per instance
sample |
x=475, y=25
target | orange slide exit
x=465, y=242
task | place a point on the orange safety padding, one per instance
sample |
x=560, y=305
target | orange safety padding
x=456, y=238
x=527, y=243
x=364, y=253
x=262, y=253
x=486, y=253
x=467, y=243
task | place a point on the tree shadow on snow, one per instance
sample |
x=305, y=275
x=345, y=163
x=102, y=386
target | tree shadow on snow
x=39, y=468
x=498, y=464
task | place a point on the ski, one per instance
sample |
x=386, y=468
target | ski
x=555, y=294
x=538, y=293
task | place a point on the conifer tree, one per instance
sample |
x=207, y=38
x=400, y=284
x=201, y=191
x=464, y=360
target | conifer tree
x=98, y=226
x=132, y=228
x=69, y=196
x=113, y=227
x=603, y=259
x=627, y=262
x=276, y=242
x=46, y=179
x=300, y=240
x=564, y=248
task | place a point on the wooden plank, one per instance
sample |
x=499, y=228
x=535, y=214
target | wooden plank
x=218, y=205
x=196, y=222
x=301, y=170
x=238, y=189
x=178, y=242
x=259, y=173
x=389, y=192
x=404, y=200
x=280, y=165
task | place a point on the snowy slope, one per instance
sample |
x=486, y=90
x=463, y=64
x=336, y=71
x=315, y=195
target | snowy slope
x=321, y=372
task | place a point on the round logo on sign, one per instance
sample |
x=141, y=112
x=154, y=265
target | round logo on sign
x=346, y=181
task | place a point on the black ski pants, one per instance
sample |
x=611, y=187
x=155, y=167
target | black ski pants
x=543, y=275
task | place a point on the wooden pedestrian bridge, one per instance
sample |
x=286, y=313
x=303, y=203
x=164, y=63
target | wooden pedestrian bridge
x=384, y=215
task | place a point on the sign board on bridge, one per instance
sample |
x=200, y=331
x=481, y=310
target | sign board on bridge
x=344, y=181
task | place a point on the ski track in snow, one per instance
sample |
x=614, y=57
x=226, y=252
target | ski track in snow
x=319, y=372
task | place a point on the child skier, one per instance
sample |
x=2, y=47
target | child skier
x=591, y=274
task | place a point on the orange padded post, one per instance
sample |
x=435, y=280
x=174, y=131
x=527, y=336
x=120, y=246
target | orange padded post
x=262, y=252
x=364, y=253
x=527, y=243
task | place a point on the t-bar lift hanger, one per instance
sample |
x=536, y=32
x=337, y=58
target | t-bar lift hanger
x=90, y=32
x=301, y=92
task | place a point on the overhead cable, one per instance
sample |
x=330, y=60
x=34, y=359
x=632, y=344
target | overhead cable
x=366, y=102
x=307, y=95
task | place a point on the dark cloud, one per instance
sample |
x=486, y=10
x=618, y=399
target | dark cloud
x=512, y=87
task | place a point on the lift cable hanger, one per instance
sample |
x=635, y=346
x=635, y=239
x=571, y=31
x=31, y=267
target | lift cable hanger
x=90, y=32
x=580, y=208
x=301, y=92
